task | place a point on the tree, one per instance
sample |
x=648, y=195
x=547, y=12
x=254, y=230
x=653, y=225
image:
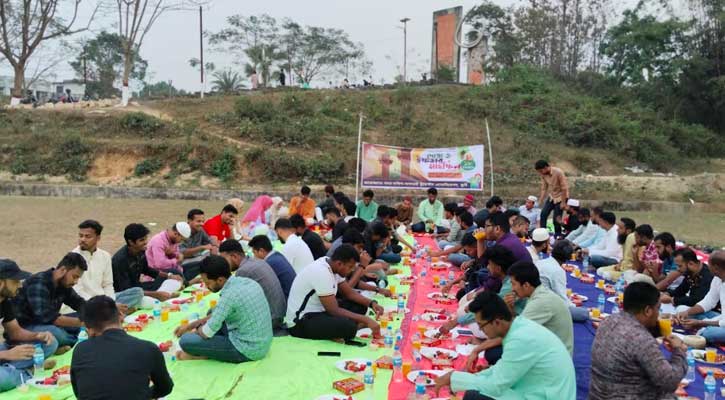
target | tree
x=26, y=24
x=101, y=63
x=322, y=49
x=159, y=89
x=227, y=81
x=135, y=19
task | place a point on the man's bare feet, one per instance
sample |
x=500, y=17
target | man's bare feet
x=181, y=355
x=62, y=350
x=49, y=364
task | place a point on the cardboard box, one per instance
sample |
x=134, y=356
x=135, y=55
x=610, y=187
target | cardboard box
x=349, y=386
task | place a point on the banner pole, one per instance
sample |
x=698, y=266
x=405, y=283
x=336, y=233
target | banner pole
x=490, y=155
x=359, y=143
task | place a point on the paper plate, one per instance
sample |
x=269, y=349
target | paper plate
x=364, y=333
x=413, y=374
x=581, y=297
x=434, y=295
x=700, y=357
x=466, y=350
x=341, y=364
x=432, y=317
x=612, y=299
x=439, y=265
x=430, y=352
x=433, y=334
x=602, y=317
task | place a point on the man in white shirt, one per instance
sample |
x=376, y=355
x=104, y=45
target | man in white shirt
x=608, y=251
x=586, y=230
x=714, y=328
x=313, y=311
x=295, y=250
x=530, y=211
x=98, y=279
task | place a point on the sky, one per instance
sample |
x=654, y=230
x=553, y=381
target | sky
x=174, y=39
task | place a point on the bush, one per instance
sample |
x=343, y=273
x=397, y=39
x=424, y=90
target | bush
x=279, y=164
x=296, y=105
x=73, y=158
x=148, y=166
x=141, y=122
x=224, y=166
x=258, y=111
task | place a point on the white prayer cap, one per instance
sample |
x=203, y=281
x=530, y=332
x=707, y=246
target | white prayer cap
x=540, y=235
x=184, y=229
x=532, y=198
x=572, y=203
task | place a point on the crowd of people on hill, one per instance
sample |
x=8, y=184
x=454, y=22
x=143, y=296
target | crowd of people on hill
x=512, y=293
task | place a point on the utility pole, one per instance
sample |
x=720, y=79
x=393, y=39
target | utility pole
x=405, y=49
x=201, y=47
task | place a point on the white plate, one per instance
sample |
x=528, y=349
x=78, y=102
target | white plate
x=612, y=299
x=582, y=298
x=431, y=334
x=334, y=396
x=341, y=364
x=413, y=374
x=439, y=266
x=432, y=317
x=429, y=352
x=700, y=357
x=391, y=309
x=583, y=275
x=602, y=317
x=433, y=295
x=363, y=332
x=466, y=350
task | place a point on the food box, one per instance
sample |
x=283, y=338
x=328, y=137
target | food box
x=441, y=300
x=348, y=386
x=384, y=362
x=718, y=373
x=442, y=363
x=434, y=310
x=587, y=279
x=428, y=342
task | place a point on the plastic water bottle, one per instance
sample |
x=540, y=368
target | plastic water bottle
x=82, y=335
x=690, y=376
x=401, y=305
x=585, y=262
x=388, y=340
x=619, y=286
x=451, y=276
x=397, y=365
x=423, y=272
x=369, y=380
x=417, y=366
x=420, y=386
x=710, y=386
x=601, y=301
x=38, y=360
x=157, y=311
x=615, y=309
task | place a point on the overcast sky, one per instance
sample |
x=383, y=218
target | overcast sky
x=174, y=38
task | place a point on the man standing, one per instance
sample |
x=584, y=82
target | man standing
x=313, y=311
x=367, y=209
x=162, y=252
x=98, y=279
x=530, y=211
x=198, y=245
x=608, y=251
x=239, y=328
x=111, y=355
x=262, y=249
x=303, y=204
x=129, y=263
x=16, y=353
x=695, y=285
x=543, y=306
x=260, y=272
x=37, y=305
x=430, y=213
x=312, y=240
x=626, y=359
x=294, y=249
x=219, y=227
x=553, y=183
x=534, y=364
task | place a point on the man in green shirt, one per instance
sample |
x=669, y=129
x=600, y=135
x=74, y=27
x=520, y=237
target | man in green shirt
x=367, y=209
x=543, y=306
x=239, y=328
x=534, y=364
x=430, y=212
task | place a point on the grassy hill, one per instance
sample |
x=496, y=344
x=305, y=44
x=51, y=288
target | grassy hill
x=288, y=136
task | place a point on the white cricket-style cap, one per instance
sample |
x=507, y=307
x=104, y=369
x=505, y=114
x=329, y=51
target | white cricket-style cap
x=572, y=203
x=540, y=235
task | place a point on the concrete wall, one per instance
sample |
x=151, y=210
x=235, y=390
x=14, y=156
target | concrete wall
x=444, y=50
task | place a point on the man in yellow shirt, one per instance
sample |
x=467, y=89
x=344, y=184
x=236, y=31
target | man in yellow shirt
x=626, y=238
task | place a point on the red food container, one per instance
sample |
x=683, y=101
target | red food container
x=428, y=342
x=348, y=386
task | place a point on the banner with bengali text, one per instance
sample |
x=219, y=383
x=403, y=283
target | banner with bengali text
x=453, y=168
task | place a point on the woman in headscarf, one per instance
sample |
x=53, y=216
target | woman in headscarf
x=257, y=212
x=237, y=228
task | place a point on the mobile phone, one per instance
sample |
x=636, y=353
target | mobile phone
x=464, y=332
x=328, y=353
x=355, y=343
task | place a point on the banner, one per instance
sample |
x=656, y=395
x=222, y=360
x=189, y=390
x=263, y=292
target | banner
x=456, y=168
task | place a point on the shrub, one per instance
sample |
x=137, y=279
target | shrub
x=258, y=111
x=296, y=105
x=141, y=122
x=73, y=158
x=148, y=166
x=224, y=166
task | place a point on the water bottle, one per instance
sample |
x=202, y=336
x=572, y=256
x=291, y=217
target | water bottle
x=388, y=340
x=399, y=336
x=82, y=335
x=417, y=366
x=38, y=360
x=690, y=376
x=601, y=301
x=585, y=262
x=619, y=286
x=451, y=276
x=369, y=380
x=710, y=386
x=615, y=309
x=401, y=305
x=397, y=365
x=157, y=310
x=423, y=272
x=420, y=386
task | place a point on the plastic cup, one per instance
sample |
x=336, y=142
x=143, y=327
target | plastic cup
x=416, y=344
x=600, y=284
x=596, y=313
x=392, y=289
x=45, y=397
x=184, y=321
x=164, y=315
x=569, y=292
x=577, y=272
x=422, y=329
x=436, y=280
x=479, y=235
x=620, y=297
x=573, y=256
x=384, y=324
x=407, y=366
x=710, y=354
x=666, y=327
x=199, y=295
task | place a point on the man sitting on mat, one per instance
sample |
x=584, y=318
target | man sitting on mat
x=239, y=328
x=313, y=311
x=534, y=365
x=430, y=213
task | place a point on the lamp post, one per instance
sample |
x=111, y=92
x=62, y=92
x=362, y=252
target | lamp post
x=405, y=49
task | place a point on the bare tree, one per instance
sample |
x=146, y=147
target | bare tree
x=26, y=24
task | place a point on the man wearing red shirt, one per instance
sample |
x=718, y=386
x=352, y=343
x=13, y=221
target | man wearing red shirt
x=219, y=227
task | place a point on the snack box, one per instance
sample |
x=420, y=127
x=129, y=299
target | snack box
x=348, y=386
x=384, y=362
x=440, y=300
x=428, y=342
x=718, y=373
x=442, y=363
x=434, y=310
